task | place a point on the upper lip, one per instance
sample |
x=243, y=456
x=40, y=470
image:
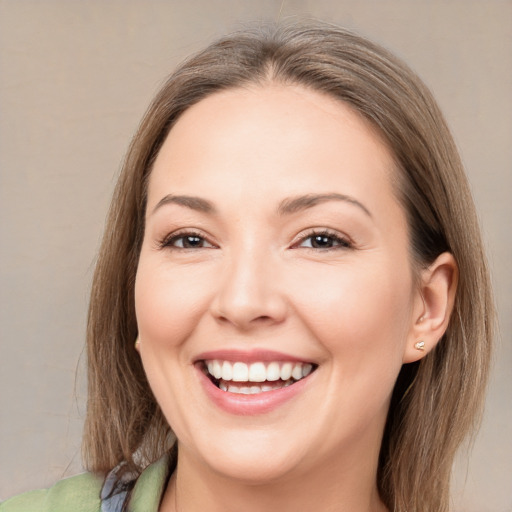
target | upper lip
x=249, y=356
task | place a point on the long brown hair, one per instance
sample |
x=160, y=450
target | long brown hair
x=435, y=401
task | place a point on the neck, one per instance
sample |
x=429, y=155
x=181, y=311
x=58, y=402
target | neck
x=332, y=488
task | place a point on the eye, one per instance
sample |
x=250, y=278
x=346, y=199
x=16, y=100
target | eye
x=324, y=240
x=186, y=241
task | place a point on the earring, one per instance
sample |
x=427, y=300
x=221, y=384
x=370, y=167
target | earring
x=137, y=344
x=420, y=345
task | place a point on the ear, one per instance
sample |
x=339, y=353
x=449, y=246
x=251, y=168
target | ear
x=433, y=306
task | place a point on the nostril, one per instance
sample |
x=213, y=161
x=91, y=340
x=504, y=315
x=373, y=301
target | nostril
x=263, y=318
x=247, y=299
x=245, y=321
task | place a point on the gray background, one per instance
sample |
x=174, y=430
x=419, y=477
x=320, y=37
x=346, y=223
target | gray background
x=75, y=78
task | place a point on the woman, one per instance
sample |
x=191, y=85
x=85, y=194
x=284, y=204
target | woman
x=293, y=249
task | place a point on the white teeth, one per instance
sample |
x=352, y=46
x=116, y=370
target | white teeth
x=306, y=369
x=240, y=372
x=217, y=370
x=297, y=372
x=252, y=390
x=227, y=371
x=274, y=371
x=257, y=372
x=286, y=371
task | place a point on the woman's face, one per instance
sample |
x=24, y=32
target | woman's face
x=275, y=257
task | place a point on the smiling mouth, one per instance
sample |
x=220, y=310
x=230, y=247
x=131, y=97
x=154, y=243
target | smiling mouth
x=248, y=379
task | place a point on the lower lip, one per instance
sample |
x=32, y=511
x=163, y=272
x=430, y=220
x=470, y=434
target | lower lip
x=250, y=405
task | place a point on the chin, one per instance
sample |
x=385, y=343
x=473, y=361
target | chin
x=254, y=458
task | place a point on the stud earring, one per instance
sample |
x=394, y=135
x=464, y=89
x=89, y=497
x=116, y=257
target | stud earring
x=137, y=344
x=420, y=345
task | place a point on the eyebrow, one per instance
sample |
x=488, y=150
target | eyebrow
x=194, y=203
x=286, y=207
x=299, y=203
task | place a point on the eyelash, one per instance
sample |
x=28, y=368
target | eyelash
x=169, y=241
x=339, y=242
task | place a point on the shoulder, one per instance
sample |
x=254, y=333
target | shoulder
x=79, y=493
x=91, y=493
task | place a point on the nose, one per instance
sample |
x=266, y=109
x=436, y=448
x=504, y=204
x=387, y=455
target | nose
x=248, y=293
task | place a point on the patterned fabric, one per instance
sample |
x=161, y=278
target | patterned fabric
x=120, y=491
x=116, y=489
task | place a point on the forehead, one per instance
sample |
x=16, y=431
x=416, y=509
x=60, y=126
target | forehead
x=272, y=141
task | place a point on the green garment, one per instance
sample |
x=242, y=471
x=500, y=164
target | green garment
x=82, y=494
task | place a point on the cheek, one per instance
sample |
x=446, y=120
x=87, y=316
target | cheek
x=359, y=315
x=361, y=319
x=168, y=303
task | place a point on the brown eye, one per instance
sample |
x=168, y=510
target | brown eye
x=324, y=241
x=187, y=241
x=190, y=242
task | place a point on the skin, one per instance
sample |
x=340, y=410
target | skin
x=255, y=282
